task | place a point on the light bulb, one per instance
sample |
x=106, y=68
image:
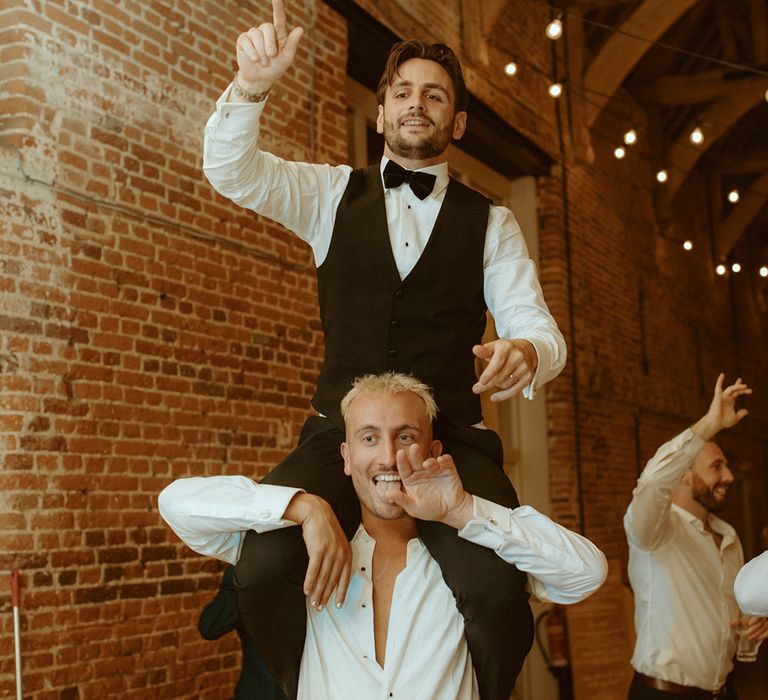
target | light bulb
x=511, y=68
x=720, y=269
x=688, y=245
x=630, y=138
x=619, y=152
x=736, y=267
x=554, y=29
x=697, y=136
x=662, y=176
x=733, y=196
x=555, y=90
x=764, y=271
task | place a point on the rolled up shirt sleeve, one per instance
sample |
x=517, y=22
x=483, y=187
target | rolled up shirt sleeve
x=212, y=514
x=562, y=566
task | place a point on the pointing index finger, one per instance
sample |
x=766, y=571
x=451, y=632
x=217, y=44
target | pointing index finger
x=278, y=19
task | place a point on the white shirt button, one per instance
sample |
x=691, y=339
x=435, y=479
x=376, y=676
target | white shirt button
x=266, y=514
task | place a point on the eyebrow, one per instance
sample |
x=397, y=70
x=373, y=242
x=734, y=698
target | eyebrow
x=377, y=429
x=430, y=86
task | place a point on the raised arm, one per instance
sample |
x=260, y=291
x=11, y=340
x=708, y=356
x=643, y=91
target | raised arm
x=264, y=54
x=648, y=514
x=303, y=197
x=562, y=566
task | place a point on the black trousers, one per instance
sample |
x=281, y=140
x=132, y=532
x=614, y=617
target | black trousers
x=490, y=594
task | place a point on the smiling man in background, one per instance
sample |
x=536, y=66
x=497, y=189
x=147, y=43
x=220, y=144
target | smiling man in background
x=683, y=560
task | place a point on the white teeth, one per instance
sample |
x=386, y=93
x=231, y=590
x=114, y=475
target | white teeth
x=386, y=477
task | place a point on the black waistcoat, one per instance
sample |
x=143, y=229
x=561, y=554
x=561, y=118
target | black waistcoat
x=424, y=325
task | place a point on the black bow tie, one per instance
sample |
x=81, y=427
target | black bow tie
x=421, y=183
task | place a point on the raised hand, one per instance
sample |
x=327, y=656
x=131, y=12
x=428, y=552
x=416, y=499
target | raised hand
x=511, y=367
x=265, y=53
x=722, y=411
x=432, y=488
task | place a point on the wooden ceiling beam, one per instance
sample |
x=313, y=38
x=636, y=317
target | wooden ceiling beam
x=695, y=88
x=620, y=53
x=592, y=4
x=715, y=120
x=478, y=21
x=739, y=163
x=741, y=216
x=759, y=20
x=491, y=11
x=725, y=29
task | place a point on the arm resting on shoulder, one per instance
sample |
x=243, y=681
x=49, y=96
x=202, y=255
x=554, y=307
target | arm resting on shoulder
x=211, y=514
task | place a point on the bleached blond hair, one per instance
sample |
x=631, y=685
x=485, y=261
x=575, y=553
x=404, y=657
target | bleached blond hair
x=389, y=383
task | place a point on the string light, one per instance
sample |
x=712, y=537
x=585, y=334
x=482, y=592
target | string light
x=555, y=90
x=554, y=29
x=697, y=136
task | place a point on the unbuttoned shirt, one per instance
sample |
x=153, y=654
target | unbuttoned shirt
x=426, y=654
x=682, y=580
x=304, y=198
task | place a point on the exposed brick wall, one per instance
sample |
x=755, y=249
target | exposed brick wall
x=149, y=329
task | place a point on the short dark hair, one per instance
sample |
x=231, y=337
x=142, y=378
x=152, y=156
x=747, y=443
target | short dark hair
x=439, y=53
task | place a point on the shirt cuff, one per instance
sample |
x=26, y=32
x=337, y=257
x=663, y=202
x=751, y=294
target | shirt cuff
x=530, y=391
x=236, y=117
x=491, y=525
x=269, y=511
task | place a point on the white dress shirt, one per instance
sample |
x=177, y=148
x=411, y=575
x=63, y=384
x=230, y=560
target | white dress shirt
x=304, y=197
x=427, y=655
x=751, y=586
x=682, y=581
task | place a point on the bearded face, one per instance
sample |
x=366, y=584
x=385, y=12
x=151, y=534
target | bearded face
x=711, y=496
x=418, y=119
x=416, y=146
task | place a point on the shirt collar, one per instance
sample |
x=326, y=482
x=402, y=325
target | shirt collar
x=363, y=539
x=717, y=524
x=440, y=171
